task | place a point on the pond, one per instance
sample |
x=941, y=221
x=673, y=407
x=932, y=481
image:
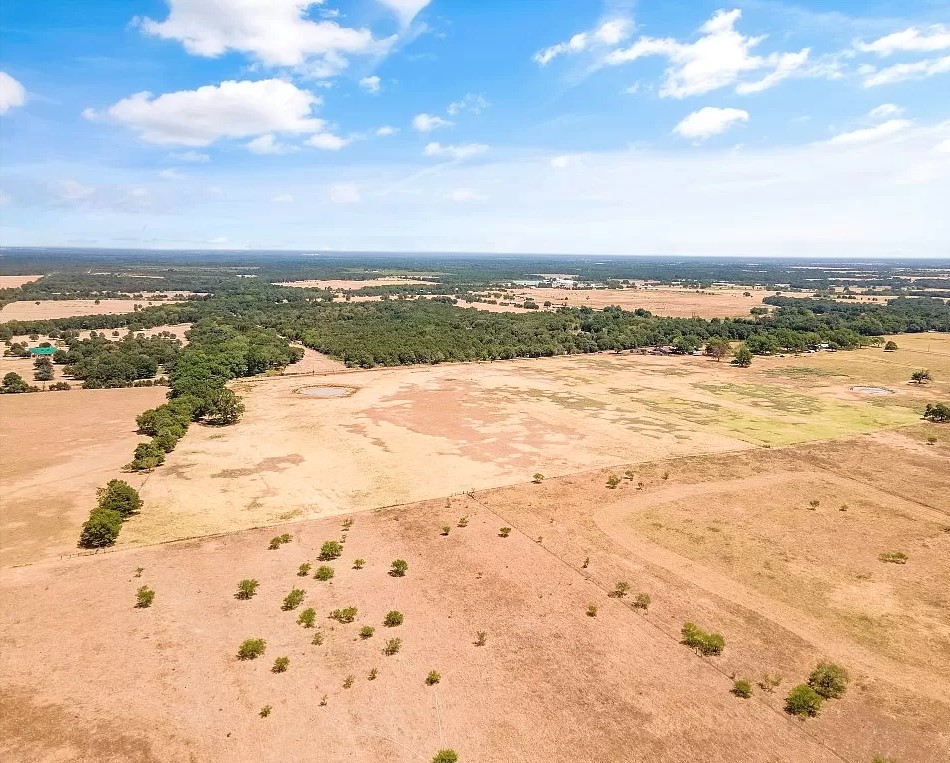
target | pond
x=872, y=391
x=326, y=391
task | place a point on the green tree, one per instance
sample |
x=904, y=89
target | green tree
x=120, y=496
x=251, y=648
x=331, y=549
x=101, y=529
x=921, y=377
x=13, y=384
x=399, y=567
x=223, y=407
x=743, y=357
x=246, y=589
x=803, y=701
x=829, y=680
x=937, y=412
x=890, y=346
x=717, y=347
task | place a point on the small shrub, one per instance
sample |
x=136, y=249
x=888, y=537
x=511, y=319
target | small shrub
x=446, y=756
x=879, y=759
x=398, y=568
x=345, y=615
x=814, y=504
x=251, y=649
x=829, y=680
x=303, y=570
x=280, y=665
x=348, y=682
x=139, y=571
x=392, y=646
x=463, y=522
x=358, y=564
x=770, y=682
x=317, y=638
x=292, y=600
x=367, y=631
x=372, y=674
x=446, y=529
x=803, y=701
x=280, y=540
x=642, y=601
x=621, y=589
x=144, y=597
x=246, y=589
x=586, y=563
x=742, y=688
x=393, y=619
x=323, y=573
x=433, y=678
x=630, y=474
x=931, y=440
x=538, y=478
x=323, y=701
x=481, y=638
x=347, y=524
x=592, y=610
x=504, y=532
x=703, y=642
x=612, y=481
x=894, y=557
x=265, y=711
x=330, y=550
x=286, y=538
x=307, y=618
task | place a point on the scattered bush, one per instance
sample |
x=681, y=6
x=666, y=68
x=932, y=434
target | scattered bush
x=348, y=682
x=393, y=619
x=285, y=538
x=921, y=377
x=251, y=649
x=463, y=522
x=347, y=524
x=280, y=540
x=323, y=701
x=642, y=601
x=814, y=504
x=392, y=646
x=829, y=680
x=317, y=639
x=330, y=550
x=292, y=600
x=481, y=638
x=246, y=588
x=446, y=529
x=307, y=618
x=265, y=711
x=433, y=678
x=620, y=590
x=345, y=615
x=372, y=674
x=358, y=564
x=303, y=570
x=586, y=563
x=894, y=557
x=398, y=568
x=144, y=597
x=324, y=573
x=703, y=642
x=280, y=665
x=592, y=610
x=890, y=346
x=504, y=532
x=770, y=682
x=538, y=478
x=937, y=412
x=367, y=631
x=59, y=386
x=803, y=701
x=742, y=688
x=101, y=529
x=446, y=756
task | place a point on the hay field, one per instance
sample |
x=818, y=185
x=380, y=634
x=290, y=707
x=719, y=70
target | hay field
x=12, y=282
x=68, y=308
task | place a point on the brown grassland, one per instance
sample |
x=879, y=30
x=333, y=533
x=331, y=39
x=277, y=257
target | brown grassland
x=68, y=308
x=754, y=502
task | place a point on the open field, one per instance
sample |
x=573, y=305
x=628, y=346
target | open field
x=12, y=282
x=58, y=448
x=344, y=285
x=671, y=302
x=67, y=308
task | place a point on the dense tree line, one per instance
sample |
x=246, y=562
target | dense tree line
x=100, y=363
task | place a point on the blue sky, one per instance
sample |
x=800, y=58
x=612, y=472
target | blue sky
x=576, y=126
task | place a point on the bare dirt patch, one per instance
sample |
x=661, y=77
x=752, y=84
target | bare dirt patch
x=352, y=285
x=12, y=282
x=68, y=308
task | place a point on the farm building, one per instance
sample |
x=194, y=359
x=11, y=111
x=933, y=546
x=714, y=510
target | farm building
x=37, y=351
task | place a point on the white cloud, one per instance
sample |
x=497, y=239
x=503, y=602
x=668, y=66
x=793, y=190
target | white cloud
x=429, y=122
x=283, y=198
x=171, y=175
x=455, y=152
x=710, y=121
x=229, y=110
x=12, y=93
x=370, y=84
x=632, y=89
x=387, y=130
x=885, y=110
x=901, y=72
x=465, y=195
x=870, y=134
x=344, y=193
x=327, y=141
x=565, y=160
x=910, y=40
x=5, y=199
x=405, y=10
x=195, y=157
x=611, y=32
x=274, y=32
x=139, y=193
x=470, y=102
x=70, y=191
x=719, y=58
x=267, y=144
x=943, y=147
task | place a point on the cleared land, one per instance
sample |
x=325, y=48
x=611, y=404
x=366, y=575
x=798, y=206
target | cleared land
x=68, y=308
x=344, y=285
x=12, y=282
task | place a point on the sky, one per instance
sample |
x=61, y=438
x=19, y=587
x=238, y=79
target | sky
x=656, y=127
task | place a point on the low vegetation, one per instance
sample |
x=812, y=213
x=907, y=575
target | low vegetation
x=303, y=570
x=703, y=642
x=433, y=678
x=358, y=564
x=251, y=649
x=265, y=711
x=504, y=532
x=393, y=619
x=642, y=601
x=367, y=631
x=894, y=557
x=117, y=501
x=293, y=599
x=330, y=550
x=324, y=573
x=144, y=597
x=280, y=665
x=446, y=756
x=307, y=618
x=344, y=615
x=742, y=688
x=393, y=645
x=803, y=701
x=829, y=680
x=246, y=589
x=481, y=638
x=398, y=568
x=937, y=412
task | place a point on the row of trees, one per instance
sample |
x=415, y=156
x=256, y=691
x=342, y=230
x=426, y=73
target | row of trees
x=117, y=501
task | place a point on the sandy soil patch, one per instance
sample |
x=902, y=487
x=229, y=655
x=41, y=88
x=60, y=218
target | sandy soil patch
x=58, y=448
x=68, y=308
x=12, y=282
x=347, y=285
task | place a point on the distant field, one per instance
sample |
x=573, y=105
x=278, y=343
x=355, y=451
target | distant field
x=67, y=308
x=12, y=282
x=343, y=285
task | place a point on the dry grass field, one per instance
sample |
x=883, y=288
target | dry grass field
x=12, y=282
x=68, y=308
x=755, y=502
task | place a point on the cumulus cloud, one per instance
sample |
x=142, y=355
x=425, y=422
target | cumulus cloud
x=611, y=32
x=405, y=10
x=370, y=84
x=274, y=32
x=870, y=134
x=344, y=193
x=465, y=151
x=890, y=75
x=721, y=57
x=470, y=102
x=327, y=141
x=565, y=160
x=885, y=110
x=429, y=122
x=910, y=40
x=12, y=93
x=267, y=144
x=229, y=110
x=710, y=121
x=943, y=147
x=387, y=130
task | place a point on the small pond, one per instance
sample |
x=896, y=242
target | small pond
x=872, y=391
x=326, y=391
